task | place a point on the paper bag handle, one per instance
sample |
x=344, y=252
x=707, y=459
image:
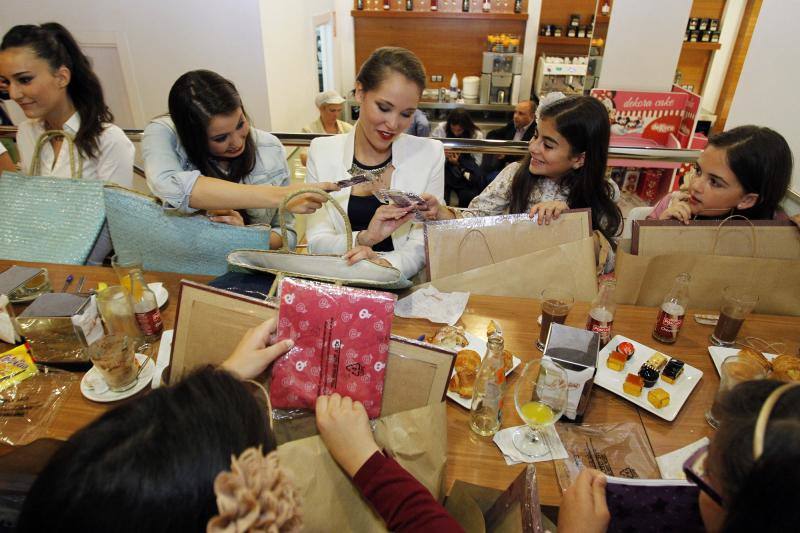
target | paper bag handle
x=485, y=242
x=282, y=217
x=45, y=138
x=752, y=229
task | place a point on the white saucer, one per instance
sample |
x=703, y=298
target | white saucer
x=94, y=388
x=162, y=294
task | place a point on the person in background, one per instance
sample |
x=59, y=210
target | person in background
x=6, y=163
x=520, y=128
x=330, y=105
x=743, y=171
x=164, y=461
x=564, y=169
x=462, y=171
x=69, y=131
x=205, y=156
x=388, y=88
x=746, y=478
x=420, y=127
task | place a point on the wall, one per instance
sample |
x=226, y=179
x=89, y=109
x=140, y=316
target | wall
x=160, y=40
x=731, y=18
x=644, y=43
x=765, y=94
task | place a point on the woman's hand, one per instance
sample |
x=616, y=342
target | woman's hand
x=226, y=216
x=679, y=209
x=386, y=219
x=359, y=253
x=796, y=220
x=344, y=428
x=548, y=211
x=255, y=351
x=307, y=203
x=433, y=209
x=584, y=507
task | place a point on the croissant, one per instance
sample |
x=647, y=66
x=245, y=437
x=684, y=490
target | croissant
x=756, y=357
x=450, y=337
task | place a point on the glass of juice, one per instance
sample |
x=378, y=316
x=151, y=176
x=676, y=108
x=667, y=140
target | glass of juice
x=540, y=397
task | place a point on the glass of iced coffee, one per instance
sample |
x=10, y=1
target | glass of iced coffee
x=737, y=303
x=114, y=356
x=556, y=304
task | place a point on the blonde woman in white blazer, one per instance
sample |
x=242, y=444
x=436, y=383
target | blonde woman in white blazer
x=388, y=88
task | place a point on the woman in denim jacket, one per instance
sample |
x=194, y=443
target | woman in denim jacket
x=204, y=155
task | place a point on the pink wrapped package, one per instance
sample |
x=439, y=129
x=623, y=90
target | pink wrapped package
x=341, y=337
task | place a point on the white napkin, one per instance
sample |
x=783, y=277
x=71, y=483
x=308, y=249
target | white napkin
x=8, y=332
x=513, y=456
x=671, y=464
x=440, y=307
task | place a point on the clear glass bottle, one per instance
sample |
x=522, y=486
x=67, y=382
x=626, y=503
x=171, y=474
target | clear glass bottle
x=145, y=307
x=602, y=310
x=487, y=6
x=670, y=316
x=465, y=6
x=486, y=410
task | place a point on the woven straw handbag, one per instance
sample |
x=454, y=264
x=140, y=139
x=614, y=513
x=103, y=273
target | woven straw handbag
x=321, y=267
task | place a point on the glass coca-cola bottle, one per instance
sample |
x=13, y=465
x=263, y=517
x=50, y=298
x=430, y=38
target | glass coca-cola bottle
x=145, y=307
x=670, y=316
x=601, y=313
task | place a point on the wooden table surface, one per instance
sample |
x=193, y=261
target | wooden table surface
x=475, y=459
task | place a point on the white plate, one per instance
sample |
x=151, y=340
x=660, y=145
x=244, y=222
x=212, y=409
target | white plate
x=162, y=294
x=612, y=380
x=720, y=353
x=479, y=345
x=94, y=387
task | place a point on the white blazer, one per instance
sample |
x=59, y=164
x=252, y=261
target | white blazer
x=418, y=167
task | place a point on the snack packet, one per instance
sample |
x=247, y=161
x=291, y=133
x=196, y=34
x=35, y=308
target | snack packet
x=16, y=366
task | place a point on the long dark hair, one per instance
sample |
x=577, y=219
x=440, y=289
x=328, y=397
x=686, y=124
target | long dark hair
x=762, y=162
x=460, y=117
x=759, y=495
x=194, y=99
x=149, y=465
x=387, y=59
x=583, y=122
x=53, y=43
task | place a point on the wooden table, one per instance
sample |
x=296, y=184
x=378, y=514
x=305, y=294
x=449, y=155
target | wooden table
x=475, y=459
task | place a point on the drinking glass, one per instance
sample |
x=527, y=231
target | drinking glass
x=114, y=356
x=556, y=304
x=116, y=309
x=734, y=370
x=540, y=396
x=126, y=263
x=737, y=303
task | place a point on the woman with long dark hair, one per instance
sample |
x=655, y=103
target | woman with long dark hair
x=69, y=130
x=462, y=171
x=205, y=156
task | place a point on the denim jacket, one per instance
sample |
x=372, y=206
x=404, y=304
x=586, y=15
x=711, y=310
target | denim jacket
x=171, y=176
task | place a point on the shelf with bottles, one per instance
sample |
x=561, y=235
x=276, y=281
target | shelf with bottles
x=577, y=41
x=474, y=9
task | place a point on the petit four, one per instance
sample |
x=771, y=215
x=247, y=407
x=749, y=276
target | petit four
x=672, y=371
x=658, y=397
x=633, y=385
x=627, y=349
x=649, y=376
x=616, y=361
x=652, y=368
x=657, y=361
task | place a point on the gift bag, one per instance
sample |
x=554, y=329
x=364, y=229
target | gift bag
x=454, y=246
x=645, y=280
x=570, y=265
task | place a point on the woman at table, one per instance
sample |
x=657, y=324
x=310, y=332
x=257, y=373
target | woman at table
x=564, y=169
x=388, y=89
x=163, y=461
x=462, y=172
x=205, y=156
x=747, y=476
x=69, y=130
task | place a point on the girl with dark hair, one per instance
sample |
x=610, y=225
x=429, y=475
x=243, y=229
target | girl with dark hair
x=205, y=155
x=69, y=131
x=743, y=171
x=462, y=172
x=747, y=476
x=564, y=169
x=388, y=89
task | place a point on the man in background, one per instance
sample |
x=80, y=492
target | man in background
x=521, y=128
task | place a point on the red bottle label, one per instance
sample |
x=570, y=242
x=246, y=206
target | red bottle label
x=150, y=322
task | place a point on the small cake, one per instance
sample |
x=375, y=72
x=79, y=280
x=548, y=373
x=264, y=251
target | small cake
x=657, y=361
x=649, y=376
x=627, y=349
x=633, y=385
x=672, y=371
x=658, y=397
x=616, y=361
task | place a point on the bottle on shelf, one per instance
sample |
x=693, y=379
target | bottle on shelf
x=670, y=316
x=434, y=5
x=453, y=87
x=602, y=310
x=517, y=6
x=145, y=307
x=606, y=9
x=465, y=6
x=409, y=5
x=360, y=5
x=387, y=5
x=486, y=409
x=487, y=6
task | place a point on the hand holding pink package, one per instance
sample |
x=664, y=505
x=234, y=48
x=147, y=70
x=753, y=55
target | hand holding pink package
x=341, y=337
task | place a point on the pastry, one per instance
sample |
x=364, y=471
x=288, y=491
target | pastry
x=467, y=360
x=657, y=361
x=786, y=368
x=652, y=368
x=616, y=361
x=627, y=349
x=450, y=337
x=633, y=385
x=649, y=376
x=462, y=382
x=672, y=371
x=658, y=397
x=757, y=357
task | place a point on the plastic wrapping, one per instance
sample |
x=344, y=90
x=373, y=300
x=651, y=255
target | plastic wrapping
x=341, y=337
x=28, y=408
